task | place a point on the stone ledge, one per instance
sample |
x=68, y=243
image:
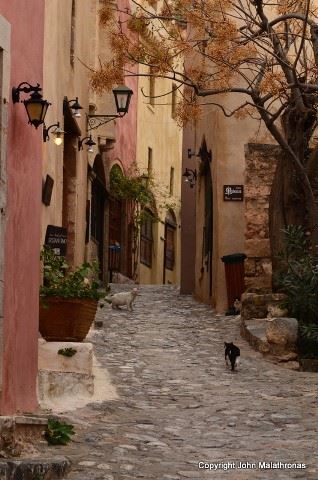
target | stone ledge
x=56, y=385
x=29, y=469
x=32, y=420
x=20, y=434
x=254, y=331
x=50, y=360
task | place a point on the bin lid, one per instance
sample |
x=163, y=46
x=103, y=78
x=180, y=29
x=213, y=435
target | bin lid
x=234, y=258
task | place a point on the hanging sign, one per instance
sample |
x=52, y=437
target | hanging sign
x=233, y=193
x=56, y=238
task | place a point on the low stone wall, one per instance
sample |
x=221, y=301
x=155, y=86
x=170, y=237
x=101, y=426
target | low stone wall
x=260, y=166
x=255, y=305
x=275, y=336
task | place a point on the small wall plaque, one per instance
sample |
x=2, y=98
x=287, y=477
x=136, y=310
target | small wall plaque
x=233, y=193
x=47, y=190
x=56, y=238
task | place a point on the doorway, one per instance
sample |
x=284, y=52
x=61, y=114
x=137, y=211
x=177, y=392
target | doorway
x=169, y=244
x=207, y=234
x=98, y=207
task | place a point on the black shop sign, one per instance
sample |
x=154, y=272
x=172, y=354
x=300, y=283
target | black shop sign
x=233, y=193
x=56, y=238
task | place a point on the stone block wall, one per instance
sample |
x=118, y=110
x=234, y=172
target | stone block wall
x=260, y=166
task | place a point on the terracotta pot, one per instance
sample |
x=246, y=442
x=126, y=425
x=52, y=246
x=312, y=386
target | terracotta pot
x=66, y=319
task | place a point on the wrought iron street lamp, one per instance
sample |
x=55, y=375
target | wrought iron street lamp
x=36, y=107
x=122, y=95
x=90, y=143
x=58, y=133
x=190, y=177
x=74, y=105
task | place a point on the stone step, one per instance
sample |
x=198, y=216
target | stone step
x=34, y=469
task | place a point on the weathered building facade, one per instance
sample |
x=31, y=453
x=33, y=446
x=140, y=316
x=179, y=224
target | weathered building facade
x=219, y=157
x=159, y=157
x=81, y=203
x=21, y=60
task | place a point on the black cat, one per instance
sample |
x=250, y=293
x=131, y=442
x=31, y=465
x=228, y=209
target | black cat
x=232, y=353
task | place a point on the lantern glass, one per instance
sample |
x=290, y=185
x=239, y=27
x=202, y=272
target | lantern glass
x=36, y=109
x=58, y=134
x=122, y=96
x=90, y=143
x=58, y=138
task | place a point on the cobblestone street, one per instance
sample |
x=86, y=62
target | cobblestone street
x=178, y=404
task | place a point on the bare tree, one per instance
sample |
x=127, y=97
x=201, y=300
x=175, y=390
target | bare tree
x=265, y=51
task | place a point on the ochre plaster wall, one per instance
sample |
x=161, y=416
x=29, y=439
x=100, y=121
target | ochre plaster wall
x=226, y=137
x=60, y=80
x=158, y=130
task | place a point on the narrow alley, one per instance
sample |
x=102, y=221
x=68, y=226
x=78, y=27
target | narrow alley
x=178, y=405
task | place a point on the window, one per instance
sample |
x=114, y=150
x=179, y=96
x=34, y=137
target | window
x=171, y=187
x=72, y=46
x=152, y=87
x=174, y=100
x=170, y=228
x=146, y=240
x=149, y=161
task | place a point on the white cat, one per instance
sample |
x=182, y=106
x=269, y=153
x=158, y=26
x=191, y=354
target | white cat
x=123, y=298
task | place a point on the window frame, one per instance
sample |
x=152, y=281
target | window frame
x=146, y=240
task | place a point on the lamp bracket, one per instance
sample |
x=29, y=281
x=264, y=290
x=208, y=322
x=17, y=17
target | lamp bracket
x=89, y=142
x=46, y=131
x=26, y=89
x=95, y=121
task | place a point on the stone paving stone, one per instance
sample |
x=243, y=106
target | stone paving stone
x=178, y=404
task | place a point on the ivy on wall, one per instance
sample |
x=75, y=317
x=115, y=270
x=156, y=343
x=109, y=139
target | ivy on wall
x=144, y=195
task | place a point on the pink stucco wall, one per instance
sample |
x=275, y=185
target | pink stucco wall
x=22, y=236
x=126, y=128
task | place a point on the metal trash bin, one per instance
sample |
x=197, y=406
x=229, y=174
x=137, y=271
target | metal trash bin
x=234, y=276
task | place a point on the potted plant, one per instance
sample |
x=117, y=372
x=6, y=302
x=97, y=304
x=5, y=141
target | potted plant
x=68, y=298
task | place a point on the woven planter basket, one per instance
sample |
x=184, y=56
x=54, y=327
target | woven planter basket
x=66, y=319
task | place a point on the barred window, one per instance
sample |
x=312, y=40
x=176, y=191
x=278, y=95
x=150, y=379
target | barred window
x=170, y=229
x=146, y=240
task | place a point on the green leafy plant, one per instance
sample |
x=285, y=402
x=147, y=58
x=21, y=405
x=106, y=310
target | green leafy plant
x=308, y=340
x=298, y=275
x=58, y=433
x=67, y=352
x=60, y=281
x=298, y=279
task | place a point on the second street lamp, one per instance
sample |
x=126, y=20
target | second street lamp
x=122, y=96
